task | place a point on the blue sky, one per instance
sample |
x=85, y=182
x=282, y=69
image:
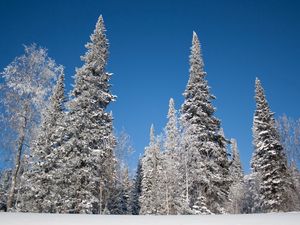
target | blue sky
x=149, y=51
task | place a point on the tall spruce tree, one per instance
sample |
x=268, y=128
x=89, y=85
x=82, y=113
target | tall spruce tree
x=86, y=159
x=170, y=156
x=37, y=190
x=269, y=163
x=171, y=130
x=206, y=161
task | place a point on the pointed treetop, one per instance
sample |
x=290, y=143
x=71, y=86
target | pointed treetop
x=96, y=56
x=197, y=73
x=171, y=129
x=260, y=97
x=100, y=27
x=195, y=39
x=152, y=136
x=196, y=55
x=258, y=86
x=98, y=35
x=171, y=111
x=171, y=102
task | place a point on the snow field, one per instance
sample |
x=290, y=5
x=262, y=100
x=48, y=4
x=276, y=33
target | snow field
x=84, y=219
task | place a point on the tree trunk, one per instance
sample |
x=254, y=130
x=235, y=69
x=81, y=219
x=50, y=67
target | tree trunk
x=167, y=193
x=186, y=180
x=11, y=194
x=100, y=198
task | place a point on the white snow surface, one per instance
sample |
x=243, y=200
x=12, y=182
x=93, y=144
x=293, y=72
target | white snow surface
x=292, y=218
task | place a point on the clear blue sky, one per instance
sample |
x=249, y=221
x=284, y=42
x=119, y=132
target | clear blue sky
x=149, y=51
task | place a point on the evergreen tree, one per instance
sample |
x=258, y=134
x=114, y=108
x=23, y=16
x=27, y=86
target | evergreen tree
x=36, y=189
x=203, y=146
x=237, y=188
x=171, y=130
x=87, y=162
x=151, y=197
x=235, y=168
x=269, y=163
x=200, y=206
x=170, y=157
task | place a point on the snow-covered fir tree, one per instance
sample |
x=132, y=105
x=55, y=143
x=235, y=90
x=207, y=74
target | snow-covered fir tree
x=37, y=190
x=171, y=142
x=204, y=153
x=237, y=188
x=86, y=158
x=200, y=206
x=235, y=168
x=151, y=198
x=170, y=157
x=269, y=163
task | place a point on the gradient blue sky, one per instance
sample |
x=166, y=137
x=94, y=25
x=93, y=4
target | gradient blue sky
x=149, y=51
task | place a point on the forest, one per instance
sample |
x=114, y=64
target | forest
x=68, y=159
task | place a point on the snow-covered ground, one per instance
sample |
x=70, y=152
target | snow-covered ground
x=67, y=219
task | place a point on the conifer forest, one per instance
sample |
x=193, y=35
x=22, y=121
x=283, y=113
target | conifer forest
x=67, y=157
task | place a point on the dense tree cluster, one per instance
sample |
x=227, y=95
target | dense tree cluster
x=69, y=160
x=71, y=165
x=202, y=178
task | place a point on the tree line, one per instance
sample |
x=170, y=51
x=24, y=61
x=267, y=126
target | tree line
x=68, y=159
